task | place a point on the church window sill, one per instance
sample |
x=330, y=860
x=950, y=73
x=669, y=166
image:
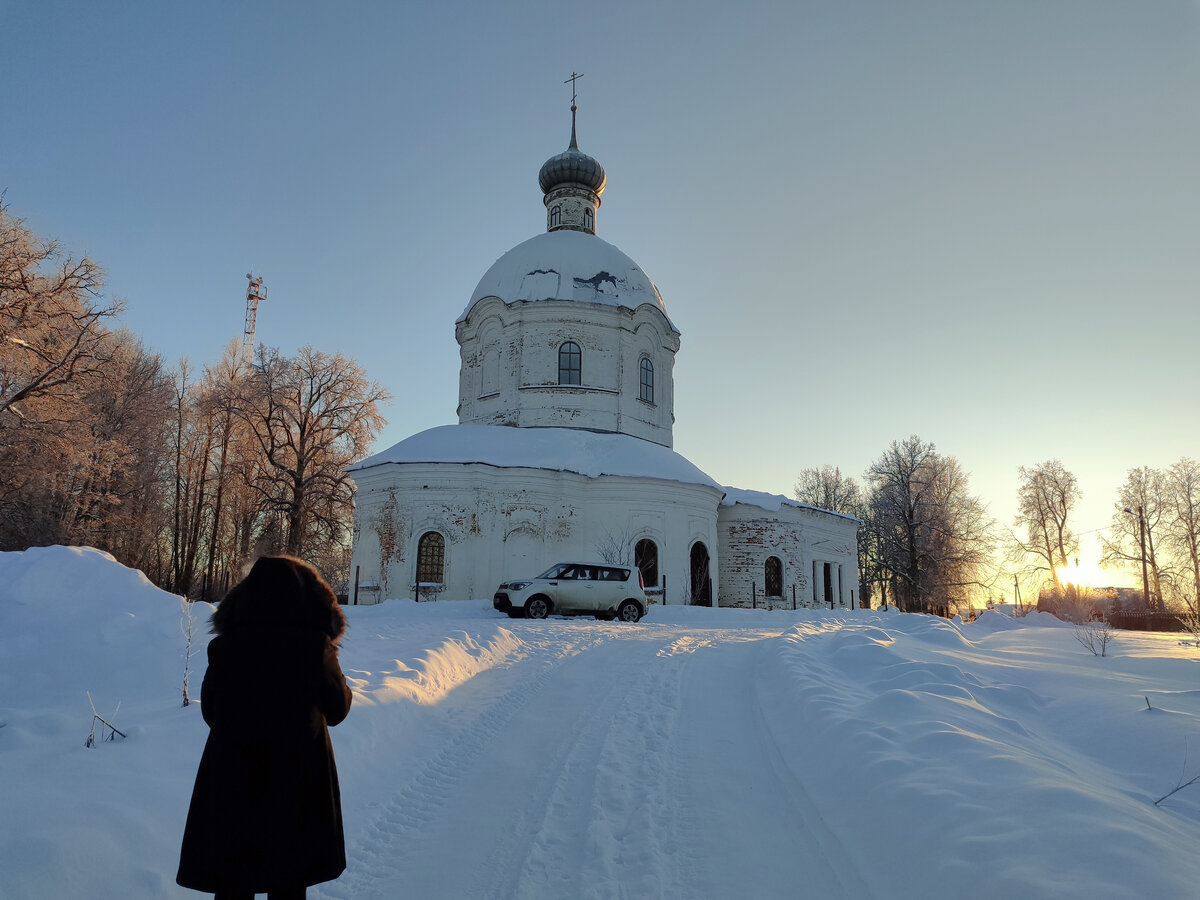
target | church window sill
x=568, y=388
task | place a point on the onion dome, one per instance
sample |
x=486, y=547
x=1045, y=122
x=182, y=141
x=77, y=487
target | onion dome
x=572, y=166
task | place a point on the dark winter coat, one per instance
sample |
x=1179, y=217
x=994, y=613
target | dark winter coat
x=266, y=808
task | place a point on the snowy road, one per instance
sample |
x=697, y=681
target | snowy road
x=593, y=763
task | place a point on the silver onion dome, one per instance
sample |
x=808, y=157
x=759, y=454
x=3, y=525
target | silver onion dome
x=572, y=166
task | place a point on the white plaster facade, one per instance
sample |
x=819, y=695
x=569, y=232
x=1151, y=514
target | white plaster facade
x=564, y=446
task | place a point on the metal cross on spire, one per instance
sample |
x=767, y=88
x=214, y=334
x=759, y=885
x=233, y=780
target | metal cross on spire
x=575, y=76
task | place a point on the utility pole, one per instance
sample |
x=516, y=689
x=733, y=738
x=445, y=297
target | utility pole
x=1142, y=538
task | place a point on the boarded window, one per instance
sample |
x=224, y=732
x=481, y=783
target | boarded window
x=431, y=558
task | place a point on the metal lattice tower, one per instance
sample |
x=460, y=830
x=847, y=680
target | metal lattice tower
x=255, y=291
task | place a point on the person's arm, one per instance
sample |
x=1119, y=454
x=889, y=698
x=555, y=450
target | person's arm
x=334, y=694
x=210, y=688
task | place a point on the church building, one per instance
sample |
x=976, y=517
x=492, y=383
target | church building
x=563, y=449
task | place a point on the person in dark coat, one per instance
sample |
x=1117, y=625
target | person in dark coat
x=266, y=811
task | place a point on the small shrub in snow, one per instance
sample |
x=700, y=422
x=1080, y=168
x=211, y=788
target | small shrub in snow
x=1096, y=636
x=187, y=625
x=113, y=731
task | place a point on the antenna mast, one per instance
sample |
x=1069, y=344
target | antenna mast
x=255, y=291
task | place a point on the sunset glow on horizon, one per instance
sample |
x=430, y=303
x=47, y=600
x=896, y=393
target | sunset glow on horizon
x=1086, y=575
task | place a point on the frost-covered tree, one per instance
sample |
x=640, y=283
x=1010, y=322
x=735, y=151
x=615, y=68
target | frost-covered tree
x=935, y=538
x=1183, y=534
x=827, y=488
x=1046, y=496
x=1145, y=490
x=52, y=320
x=310, y=417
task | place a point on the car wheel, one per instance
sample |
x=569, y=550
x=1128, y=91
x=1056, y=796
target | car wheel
x=537, y=608
x=629, y=611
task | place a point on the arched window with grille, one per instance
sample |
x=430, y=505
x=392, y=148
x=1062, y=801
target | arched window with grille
x=588, y=222
x=646, y=390
x=570, y=364
x=555, y=216
x=645, y=557
x=774, y=576
x=431, y=558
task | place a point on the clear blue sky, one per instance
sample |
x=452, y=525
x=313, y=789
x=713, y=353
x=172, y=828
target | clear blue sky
x=974, y=221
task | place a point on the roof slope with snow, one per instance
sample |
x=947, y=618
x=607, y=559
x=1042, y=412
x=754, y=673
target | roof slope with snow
x=567, y=265
x=558, y=449
x=773, y=502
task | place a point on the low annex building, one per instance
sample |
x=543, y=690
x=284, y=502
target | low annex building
x=564, y=446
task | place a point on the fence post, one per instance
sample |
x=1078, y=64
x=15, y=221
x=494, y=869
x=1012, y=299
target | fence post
x=356, y=568
x=793, y=595
x=753, y=595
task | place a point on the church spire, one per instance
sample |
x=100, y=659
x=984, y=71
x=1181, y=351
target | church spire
x=572, y=182
x=575, y=76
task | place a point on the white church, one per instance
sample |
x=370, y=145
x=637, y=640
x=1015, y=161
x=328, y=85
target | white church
x=563, y=450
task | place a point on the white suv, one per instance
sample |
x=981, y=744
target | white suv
x=600, y=589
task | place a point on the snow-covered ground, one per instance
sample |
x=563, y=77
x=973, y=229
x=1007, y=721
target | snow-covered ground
x=698, y=754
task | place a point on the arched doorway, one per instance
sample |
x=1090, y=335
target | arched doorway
x=701, y=582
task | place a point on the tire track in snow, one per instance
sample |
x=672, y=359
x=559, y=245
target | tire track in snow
x=610, y=805
x=399, y=831
x=771, y=841
x=835, y=861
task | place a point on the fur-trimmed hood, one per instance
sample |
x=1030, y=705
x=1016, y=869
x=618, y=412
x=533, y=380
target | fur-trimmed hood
x=281, y=590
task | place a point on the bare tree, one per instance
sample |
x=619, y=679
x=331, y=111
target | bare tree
x=311, y=416
x=827, y=488
x=935, y=538
x=1046, y=496
x=615, y=547
x=1145, y=490
x=1183, y=533
x=52, y=327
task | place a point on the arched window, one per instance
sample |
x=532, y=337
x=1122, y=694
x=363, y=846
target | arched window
x=431, y=558
x=774, y=577
x=588, y=221
x=646, y=391
x=645, y=557
x=555, y=216
x=570, y=362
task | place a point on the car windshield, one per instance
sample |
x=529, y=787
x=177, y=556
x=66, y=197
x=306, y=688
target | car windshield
x=556, y=571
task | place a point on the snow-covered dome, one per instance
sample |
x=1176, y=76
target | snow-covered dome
x=567, y=265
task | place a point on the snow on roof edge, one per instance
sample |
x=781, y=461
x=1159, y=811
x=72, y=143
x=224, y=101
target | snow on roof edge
x=587, y=453
x=773, y=502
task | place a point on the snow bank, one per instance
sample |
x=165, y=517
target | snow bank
x=1031, y=767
